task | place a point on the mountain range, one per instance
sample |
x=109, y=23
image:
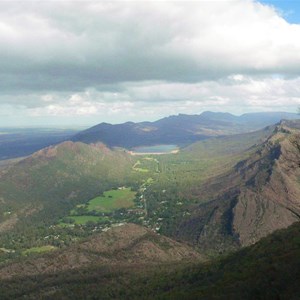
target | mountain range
x=180, y=130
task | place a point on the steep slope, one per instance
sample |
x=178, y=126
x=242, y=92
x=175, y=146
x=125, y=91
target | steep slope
x=261, y=194
x=267, y=270
x=122, y=245
x=271, y=198
x=181, y=129
x=53, y=180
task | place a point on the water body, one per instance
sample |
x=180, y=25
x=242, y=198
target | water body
x=157, y=149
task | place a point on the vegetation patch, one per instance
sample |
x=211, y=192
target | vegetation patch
x=112, y=200
x=103, y=210
x=81, y=220
x=41, y=249
x=141, y=170
x=136, y=167
x=146, y=164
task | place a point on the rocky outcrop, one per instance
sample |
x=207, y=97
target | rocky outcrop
x=270, y=197
x=260, y=195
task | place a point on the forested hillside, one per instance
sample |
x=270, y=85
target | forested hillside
x=267, y=270
x=40, y=190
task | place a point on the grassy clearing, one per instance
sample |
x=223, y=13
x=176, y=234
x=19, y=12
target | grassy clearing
x=112, y=200
x=41, y=249
x=84, y=219
x=93, y=211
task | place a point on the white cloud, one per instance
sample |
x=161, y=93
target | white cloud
x=87, y=58
x=206, y=36
x=155, y=99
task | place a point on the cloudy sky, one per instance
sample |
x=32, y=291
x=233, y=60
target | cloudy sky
x=85, y=62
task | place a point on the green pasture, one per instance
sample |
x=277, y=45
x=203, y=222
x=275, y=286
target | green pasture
x=112, y=200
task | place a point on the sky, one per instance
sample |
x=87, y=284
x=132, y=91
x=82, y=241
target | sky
x=289, y=9
x=80, y=63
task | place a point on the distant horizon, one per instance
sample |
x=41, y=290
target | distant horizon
x=85, y=126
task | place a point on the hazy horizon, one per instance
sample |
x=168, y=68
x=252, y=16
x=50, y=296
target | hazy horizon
x=88, y=125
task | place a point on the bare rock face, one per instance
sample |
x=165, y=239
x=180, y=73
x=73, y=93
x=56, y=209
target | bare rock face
x=122, y=245
x=270, y=199
x=256, y=217
x=261, y=195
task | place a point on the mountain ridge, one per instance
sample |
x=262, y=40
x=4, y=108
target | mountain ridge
x=261, y=194
x=179, y=129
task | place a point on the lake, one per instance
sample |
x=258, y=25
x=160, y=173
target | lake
x=157, y=149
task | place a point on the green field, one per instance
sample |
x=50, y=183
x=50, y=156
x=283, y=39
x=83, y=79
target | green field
x=94, y=210
x=112, y=200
